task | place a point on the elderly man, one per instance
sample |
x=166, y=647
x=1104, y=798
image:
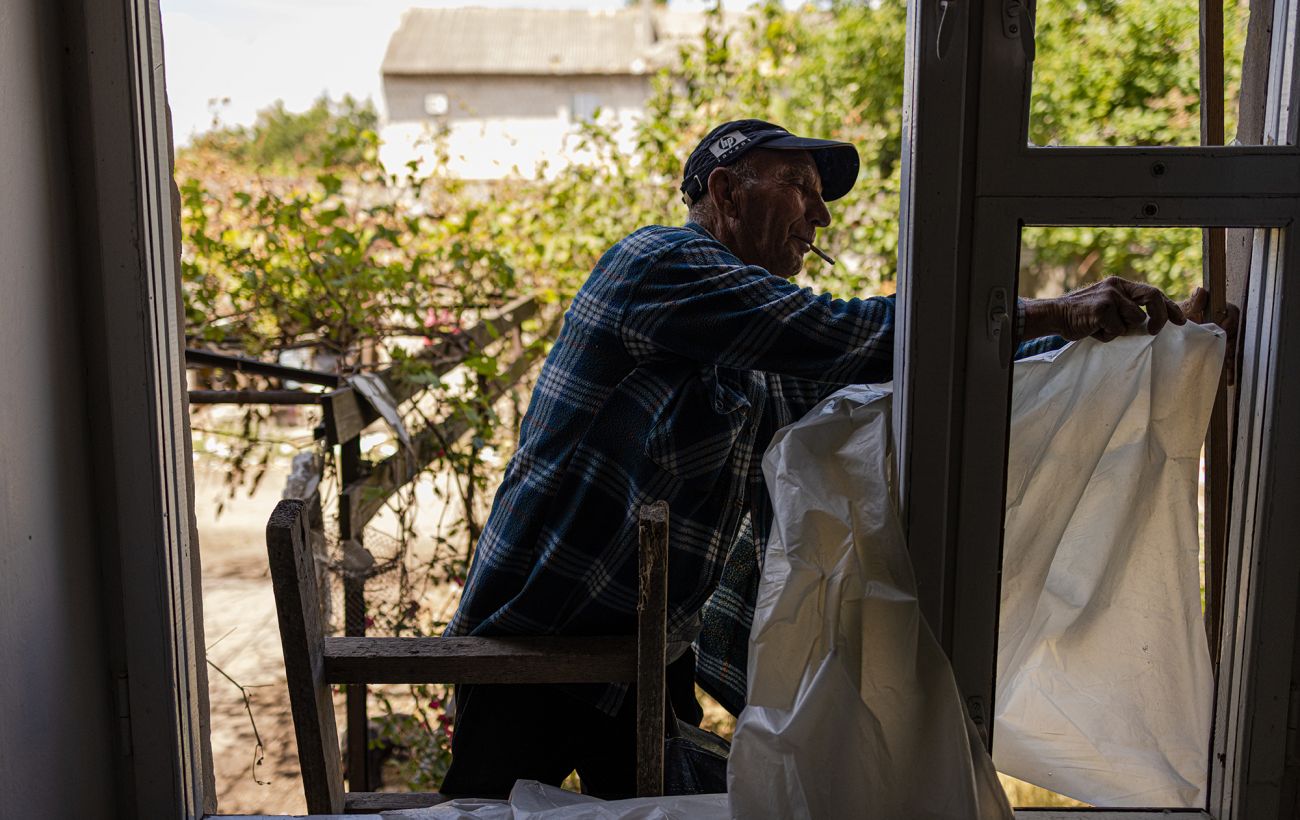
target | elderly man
x=681, y=356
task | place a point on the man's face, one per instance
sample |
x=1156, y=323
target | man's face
x=778, y=215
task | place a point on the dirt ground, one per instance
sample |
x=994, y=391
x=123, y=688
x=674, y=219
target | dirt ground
x=243, y=640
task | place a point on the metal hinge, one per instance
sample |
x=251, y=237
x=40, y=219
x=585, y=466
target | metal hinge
x=975, y=707
x=1293, y=727
x=999, y=324
x=122, y=702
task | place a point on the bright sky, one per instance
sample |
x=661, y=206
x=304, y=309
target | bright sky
x=257, y=51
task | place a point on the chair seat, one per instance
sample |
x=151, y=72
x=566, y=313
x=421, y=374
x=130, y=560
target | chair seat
x=371, y=802
x=481, y=660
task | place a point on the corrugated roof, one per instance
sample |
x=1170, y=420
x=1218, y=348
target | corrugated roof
x=523, y=41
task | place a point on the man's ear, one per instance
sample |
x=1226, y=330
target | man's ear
x=723, y=191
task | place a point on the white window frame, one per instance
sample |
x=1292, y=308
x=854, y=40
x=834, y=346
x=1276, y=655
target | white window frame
x=127, y=239
x=970, y=182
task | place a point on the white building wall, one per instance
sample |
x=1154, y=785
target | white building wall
x=497, y=125
x=56, y=707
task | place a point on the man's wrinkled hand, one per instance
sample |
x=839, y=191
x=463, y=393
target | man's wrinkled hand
x=1113, y=307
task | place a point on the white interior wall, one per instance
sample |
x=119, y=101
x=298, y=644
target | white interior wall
x=56, y=707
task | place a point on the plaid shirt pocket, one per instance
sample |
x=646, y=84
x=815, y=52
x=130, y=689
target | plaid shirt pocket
x=696, y=430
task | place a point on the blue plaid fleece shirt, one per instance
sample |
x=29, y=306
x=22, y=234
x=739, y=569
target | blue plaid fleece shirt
x=675, y=366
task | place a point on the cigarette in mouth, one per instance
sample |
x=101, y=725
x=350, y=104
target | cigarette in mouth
x=821, y=253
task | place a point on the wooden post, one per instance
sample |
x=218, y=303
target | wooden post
x=517, y=354
x=354, y=626
x=1218, y=446
x=652, y=606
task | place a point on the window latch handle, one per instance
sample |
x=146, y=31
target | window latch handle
x=946, y=27
x=1018, y=23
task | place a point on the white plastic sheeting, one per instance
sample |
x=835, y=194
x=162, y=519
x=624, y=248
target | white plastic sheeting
x=1104, y=678
x=530, y=800
x=1104, y=681
x=853, y=710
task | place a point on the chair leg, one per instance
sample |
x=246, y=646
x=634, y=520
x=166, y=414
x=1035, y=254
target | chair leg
x=652, y=606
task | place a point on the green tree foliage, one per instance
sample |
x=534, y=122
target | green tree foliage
x=332, y=242
x=835, y=73
x=1121, y=72
x=336, y=260
x=281, y=141
x=1107, y=72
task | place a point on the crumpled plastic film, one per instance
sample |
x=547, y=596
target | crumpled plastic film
x=1104, y=679
x=1104, y=683
x=530, y=800
x=853, y=710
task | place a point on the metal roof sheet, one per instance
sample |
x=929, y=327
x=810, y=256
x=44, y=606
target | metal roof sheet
x=524, y=41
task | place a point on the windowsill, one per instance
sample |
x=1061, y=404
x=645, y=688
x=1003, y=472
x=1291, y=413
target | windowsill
x=1027, y=814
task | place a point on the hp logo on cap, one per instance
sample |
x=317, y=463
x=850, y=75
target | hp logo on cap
x=727, y=143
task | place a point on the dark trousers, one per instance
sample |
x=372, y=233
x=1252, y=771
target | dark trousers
x=503, y=733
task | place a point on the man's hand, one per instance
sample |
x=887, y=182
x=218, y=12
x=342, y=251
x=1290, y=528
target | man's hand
x=1105, y=311
x=1197, y=306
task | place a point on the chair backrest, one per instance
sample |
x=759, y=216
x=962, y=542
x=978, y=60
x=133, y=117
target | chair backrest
x=313, y=661
x=297, y=602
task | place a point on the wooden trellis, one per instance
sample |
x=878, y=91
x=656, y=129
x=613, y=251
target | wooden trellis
x=366, y=486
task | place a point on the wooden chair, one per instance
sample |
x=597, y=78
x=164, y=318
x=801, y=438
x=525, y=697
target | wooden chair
x=314, y=661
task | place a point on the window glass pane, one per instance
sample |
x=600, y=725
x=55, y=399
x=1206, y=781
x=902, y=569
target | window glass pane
x=1104, y=678
x=1126, y=72
x=1054, y=261
x=436, y=105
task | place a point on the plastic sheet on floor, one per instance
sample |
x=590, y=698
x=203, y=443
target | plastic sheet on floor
x=530, y=800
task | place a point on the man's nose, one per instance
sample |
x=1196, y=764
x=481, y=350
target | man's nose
x=818, y=214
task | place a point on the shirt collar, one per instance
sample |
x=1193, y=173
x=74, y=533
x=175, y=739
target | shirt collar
x=691, y=224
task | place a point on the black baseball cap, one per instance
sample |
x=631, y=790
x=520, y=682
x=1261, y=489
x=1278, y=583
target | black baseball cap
x=837, y=162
